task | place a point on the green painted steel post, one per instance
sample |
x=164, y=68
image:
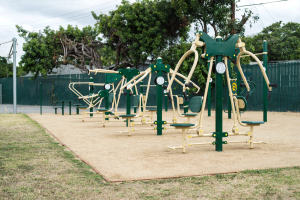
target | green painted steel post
x=265, y=88
x=209, y=94
x=166, y=98
x=229, y=102
x=91, y=90
x=141, y=88
x=159, y=104
x=185, y=103
x=62, y=107
x=40, y=98
x=77, y=110
x=70, y=112
x=219, y=104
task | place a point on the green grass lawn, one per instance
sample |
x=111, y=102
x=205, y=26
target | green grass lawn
x=34, y=166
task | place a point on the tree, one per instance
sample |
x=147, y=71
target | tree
x=141, y=31
x=283, y=41
x=6, y=70
x=219, y=14
x=48, y=49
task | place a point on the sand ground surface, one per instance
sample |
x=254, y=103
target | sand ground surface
x=144, y=155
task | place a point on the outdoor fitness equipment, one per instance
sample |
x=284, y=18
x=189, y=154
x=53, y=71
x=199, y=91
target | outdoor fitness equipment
x=127, y=75
x=159, y=68
x=91, y=99
x=221, y=50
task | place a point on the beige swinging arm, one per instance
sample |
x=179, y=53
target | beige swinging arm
x=241, y=46
x=195, y=44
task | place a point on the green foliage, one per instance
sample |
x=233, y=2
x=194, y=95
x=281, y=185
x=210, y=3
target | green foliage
x=6, y=69
x=52, y=98
x=283, y=41
x=43, y=50
x=216, y=14
x=141, y=30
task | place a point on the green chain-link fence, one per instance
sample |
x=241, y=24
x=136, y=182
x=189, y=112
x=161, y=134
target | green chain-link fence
x=286, y=97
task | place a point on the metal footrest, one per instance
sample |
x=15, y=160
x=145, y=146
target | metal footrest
x=174, y=148
x=260, y=142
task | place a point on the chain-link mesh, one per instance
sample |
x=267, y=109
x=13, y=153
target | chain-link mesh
x=286, y=97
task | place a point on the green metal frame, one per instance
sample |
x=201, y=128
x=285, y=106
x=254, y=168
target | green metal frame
x=159, y=67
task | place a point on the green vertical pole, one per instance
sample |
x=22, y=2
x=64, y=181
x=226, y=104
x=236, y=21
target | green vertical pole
x=141, y=88
x=265, y=88
x=41, y=98
x=77, y=110
x=62, y=107
x=91, y=88
x=229, y=102
x=166, y=98
x=219, y=104
x=159, y=104
x=70, y=108
x=209, y=94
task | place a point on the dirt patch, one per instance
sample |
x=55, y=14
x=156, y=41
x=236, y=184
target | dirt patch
x=145, y=155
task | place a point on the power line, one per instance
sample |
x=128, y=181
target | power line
x=261, y=3
x=269, y=13
x=259, y=20
x=65, y=14
x=65, y=20
x=39, y=7
x=5, y=42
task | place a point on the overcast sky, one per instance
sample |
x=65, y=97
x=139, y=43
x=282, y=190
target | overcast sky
x=35, y=15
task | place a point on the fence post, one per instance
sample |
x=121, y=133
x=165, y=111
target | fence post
x=265, y=60
x=40, y=98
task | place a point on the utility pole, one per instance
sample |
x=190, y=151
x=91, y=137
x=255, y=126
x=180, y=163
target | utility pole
x=14, y=75
x=233, y=31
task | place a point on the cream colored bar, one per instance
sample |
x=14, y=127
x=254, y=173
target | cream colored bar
x=255, y=54
x=172, y=102
x=238, y=111
x=72, y=88
x=195, y=44
x=178, y=110
x=143, y=74
x=103, y=71
x=147, y=91
x=205, y=95
x=185, y=78
x=259, y=64
x=119, y=97
x=203, y=143
x=230, y=96
x=147, y=85
x=242, y=141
